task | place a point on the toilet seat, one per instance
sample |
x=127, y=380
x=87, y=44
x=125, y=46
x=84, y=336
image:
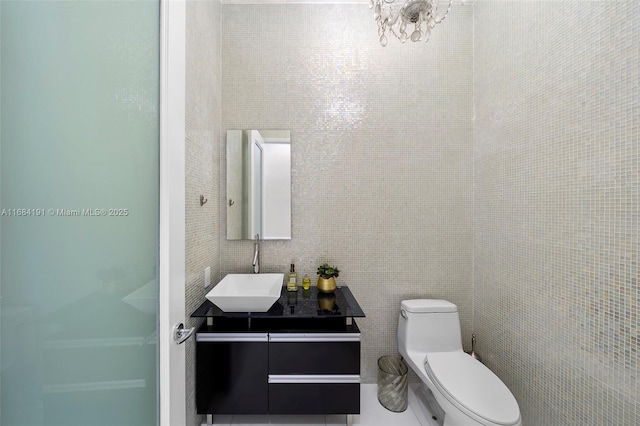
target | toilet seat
x=472, y=387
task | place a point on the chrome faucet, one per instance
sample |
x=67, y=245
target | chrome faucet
x=256, y=255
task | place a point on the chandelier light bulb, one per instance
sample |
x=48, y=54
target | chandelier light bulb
x=394, y=16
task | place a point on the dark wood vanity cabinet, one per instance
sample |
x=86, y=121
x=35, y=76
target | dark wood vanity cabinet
x=300, y=372
x=275, y=363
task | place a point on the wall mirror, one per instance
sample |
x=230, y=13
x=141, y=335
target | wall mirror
x=258, y=184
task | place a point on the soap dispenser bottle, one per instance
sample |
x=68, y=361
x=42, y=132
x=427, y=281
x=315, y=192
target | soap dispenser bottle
x=306, y=282
x=292, y=281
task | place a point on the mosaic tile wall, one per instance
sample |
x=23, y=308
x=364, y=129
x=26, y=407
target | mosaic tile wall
x=382, y=153
x=202, y=167
x=557, y=201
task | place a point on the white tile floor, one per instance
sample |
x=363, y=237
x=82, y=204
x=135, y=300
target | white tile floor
x=371, y=414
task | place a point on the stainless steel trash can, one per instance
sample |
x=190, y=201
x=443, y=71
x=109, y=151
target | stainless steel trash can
x=392, y=383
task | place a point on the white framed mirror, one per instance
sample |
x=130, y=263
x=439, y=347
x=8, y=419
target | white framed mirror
x=258, y=184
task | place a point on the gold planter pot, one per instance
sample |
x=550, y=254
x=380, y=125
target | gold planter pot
x=326, y=285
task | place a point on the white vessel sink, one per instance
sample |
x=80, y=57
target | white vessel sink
x=246, y=292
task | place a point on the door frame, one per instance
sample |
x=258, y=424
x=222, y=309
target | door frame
x=172, y=404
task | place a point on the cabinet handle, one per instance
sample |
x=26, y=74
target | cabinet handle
x=314, y=378
x=232, y=337
x=315, y=337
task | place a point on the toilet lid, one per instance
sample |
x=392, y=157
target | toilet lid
x=468, y=384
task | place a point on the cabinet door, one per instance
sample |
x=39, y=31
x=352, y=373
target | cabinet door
x=232, y=373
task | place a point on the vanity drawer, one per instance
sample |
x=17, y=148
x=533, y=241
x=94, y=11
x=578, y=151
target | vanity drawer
x=314, y=353
x=314, y=398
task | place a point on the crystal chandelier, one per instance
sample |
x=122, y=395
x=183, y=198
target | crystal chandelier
x=397, y=15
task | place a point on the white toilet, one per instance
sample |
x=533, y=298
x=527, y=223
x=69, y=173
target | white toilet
x=467, y=391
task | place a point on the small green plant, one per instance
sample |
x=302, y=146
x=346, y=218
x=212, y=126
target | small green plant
x=326, y=271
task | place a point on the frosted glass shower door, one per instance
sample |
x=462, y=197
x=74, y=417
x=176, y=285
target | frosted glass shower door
x=79, y=195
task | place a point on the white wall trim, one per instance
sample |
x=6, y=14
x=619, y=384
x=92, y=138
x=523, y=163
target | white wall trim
x=172, y=211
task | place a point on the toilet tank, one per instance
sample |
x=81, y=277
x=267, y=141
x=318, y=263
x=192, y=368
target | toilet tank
x=429, y=325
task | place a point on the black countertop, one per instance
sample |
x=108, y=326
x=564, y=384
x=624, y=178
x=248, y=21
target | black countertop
x=301, y=304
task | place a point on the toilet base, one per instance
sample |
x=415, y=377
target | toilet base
x=430, y=412
x=425, y=406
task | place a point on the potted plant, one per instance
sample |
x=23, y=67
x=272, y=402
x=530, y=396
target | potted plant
x=327, y=278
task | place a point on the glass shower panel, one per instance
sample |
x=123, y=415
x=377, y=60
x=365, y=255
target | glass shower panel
x=79, y=194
